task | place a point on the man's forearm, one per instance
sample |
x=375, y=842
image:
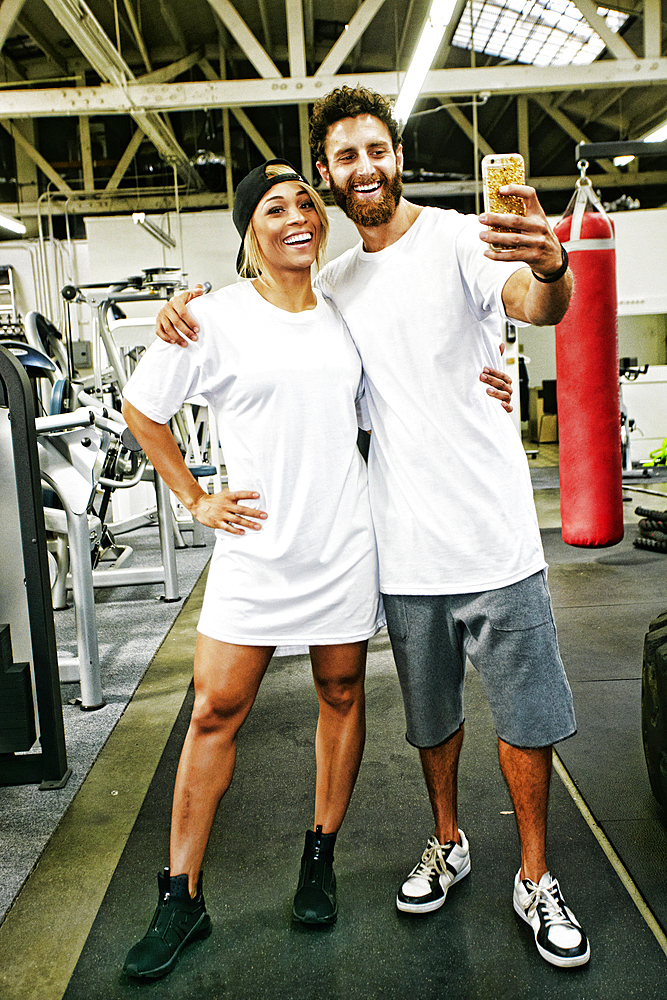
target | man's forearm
x=547, y=304
x=532, y=301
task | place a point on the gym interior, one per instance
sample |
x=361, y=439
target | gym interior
x=104, y=571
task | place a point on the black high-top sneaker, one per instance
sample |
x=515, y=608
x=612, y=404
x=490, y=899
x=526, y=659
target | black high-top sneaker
x=177, y=922
x=315, y=899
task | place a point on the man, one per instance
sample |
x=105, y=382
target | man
x=463, y=572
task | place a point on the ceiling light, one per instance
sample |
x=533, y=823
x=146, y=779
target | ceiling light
x=622, y=161
x=11, y=224
x=139, y=219
x=657, y=135
x=434, y=28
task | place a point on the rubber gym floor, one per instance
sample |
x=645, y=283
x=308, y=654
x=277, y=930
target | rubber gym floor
x=93, y=890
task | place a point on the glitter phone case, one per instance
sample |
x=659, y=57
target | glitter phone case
x=499, y=169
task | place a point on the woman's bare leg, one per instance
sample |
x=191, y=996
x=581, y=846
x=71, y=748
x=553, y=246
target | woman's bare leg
x=227, y=678
x=339, y=673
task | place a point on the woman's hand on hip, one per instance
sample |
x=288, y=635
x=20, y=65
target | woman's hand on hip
x=222, y=510
x=499, y=385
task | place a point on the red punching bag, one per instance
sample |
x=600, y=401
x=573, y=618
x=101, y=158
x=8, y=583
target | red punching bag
x=589, y=412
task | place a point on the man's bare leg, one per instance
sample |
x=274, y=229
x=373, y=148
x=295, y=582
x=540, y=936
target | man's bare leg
x=528, y=774
x=441, y=767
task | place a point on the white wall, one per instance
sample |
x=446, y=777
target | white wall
x=641, y=337
x=208, y=244
x=641, y=281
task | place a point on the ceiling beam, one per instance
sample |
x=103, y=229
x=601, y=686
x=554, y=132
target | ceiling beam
x=446, y=44
x=170, y=72
x=49, y=50
x=86, y=153
x=92, y=41
x=309, y=27
x=123, y=164
x=616, y=45
x=132, y=200
x=266, y=26
x=515, y=79
x=404, y=33
x=652, y=29
x=138, y=37
x=9, y=11
x=253, y=134
x=569, y=127
x=296, y=42
x=466, y=126
x=12, y=72
x=90, y=37
x=349, y=38
x=36, y=156
x=523, y=130
x=239, y=30
x=173, y=26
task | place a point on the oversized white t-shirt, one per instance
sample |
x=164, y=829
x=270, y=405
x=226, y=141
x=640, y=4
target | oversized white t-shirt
x=283, y=387
x=450, y=487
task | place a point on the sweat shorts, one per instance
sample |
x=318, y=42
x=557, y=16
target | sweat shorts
x=509, y=635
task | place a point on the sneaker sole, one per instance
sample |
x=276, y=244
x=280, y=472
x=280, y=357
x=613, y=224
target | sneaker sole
x=433, y=904
x=559, y=960
x=201, y=930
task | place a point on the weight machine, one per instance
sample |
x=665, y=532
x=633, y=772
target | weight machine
x=30, y=705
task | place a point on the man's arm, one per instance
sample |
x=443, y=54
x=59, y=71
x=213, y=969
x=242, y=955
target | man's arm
x=533, y=241
x=174, y=324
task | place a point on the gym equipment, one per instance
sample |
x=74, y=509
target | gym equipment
x=652, y=530
x=27, y=633
x=71, y=451
x=11, y=324
x=629, y=370
x=590, y=464
x=654, y=706
x=75, y=452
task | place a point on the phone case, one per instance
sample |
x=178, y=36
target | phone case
x=499, y=169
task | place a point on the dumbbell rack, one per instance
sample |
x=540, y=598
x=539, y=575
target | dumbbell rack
x=25, y=600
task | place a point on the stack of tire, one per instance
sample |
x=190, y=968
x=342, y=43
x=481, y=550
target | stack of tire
x=654, y=706
x=652, y=530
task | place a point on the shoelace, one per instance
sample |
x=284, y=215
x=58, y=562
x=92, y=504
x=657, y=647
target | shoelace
x=547, y=897
x=432, y=860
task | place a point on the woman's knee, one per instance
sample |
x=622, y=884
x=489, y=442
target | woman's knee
x=341, y=693
x=215, y=711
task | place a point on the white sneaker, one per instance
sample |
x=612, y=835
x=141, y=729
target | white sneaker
x=441, y=865
x=558, y=935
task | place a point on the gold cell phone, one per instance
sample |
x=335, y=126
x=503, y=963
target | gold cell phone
x=499, y=169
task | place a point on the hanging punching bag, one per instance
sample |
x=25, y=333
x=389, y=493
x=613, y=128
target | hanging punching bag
x=589, y=423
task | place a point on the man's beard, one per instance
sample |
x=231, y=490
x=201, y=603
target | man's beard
x=375, y=213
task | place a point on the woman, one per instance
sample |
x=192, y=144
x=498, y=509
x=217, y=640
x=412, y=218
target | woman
x=275, y=360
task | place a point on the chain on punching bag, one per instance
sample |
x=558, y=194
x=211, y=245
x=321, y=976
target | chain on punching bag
x=589, y=431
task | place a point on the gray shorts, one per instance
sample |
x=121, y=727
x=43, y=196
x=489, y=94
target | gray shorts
x=509, y=635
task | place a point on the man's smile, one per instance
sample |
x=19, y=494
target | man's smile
x=367, y=187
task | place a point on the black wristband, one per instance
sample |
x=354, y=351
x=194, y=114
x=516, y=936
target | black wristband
x=555, y=275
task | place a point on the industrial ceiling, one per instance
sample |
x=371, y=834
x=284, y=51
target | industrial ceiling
x=119, y=105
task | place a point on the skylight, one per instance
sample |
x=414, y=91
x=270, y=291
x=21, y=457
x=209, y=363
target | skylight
x=539, y=32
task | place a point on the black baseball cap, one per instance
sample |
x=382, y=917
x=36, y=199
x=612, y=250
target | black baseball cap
x=250, y=192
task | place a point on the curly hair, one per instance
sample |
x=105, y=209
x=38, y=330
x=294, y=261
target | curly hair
x=349, y=102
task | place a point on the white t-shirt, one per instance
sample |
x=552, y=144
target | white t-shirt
x=283, y=387
x=450, y=487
